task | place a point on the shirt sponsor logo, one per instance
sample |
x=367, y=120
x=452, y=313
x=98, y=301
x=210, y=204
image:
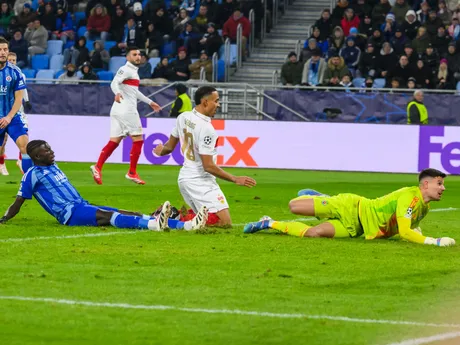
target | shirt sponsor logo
x=8, y=78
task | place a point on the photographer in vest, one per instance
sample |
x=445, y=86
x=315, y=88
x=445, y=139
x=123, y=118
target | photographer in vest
x=182, y=102
x=417, y=114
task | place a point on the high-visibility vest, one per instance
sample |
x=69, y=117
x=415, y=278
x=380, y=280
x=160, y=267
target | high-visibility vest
x=186, y=103
x=422, y=111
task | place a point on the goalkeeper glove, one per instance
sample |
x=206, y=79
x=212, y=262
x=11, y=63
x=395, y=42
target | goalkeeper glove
x=27, y=106
x=441, y=242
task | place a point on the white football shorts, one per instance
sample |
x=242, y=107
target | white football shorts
x=125, y=125
x=203, y=192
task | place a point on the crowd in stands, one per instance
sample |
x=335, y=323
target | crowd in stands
x=399, y=43
x=180, y=35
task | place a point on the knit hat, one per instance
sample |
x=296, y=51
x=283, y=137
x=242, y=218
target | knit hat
x=390, y=16
x=408, y=45
x=182, y=49
x=452, y=44
x=137, y=6
x=350, y=38
x=291, y=54
x=353, y=30
x=411, y=79
x=211, y=25
x=443, y=61
x=27, y=5
x=312, y=40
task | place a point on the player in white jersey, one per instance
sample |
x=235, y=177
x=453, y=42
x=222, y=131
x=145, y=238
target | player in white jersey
x=12, y=58
x=198, y=138
x=124, y=117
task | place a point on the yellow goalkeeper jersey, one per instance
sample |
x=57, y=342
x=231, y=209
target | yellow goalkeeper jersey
x=396, y=213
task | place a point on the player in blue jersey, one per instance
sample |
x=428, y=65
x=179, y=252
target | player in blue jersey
x=53, y=191
x=12, y=87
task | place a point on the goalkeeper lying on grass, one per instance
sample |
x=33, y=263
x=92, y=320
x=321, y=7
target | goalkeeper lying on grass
x=351, y=215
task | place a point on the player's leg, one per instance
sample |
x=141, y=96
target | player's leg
x=3, y=139
x=17, y=130
x=198, y=220
x=136, y=150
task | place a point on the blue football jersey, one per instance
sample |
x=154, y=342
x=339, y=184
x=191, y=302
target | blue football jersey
x=11, y=80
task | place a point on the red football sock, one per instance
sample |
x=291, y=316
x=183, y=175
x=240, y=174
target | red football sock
x=20, y=156
x=2, y=159
x=134, y=156
x=105, y=153
x=212, y=219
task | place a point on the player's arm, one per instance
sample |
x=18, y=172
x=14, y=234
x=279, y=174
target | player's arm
x=168, y=147
x=13, y=210
x=141, y=97
x=116, y=82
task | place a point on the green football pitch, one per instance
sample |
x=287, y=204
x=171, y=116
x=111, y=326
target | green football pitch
x=62, y=285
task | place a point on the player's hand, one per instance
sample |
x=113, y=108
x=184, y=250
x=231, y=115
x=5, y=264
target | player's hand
x=4, y=121
x=156, y=108
x=157, y=150
x=245, y=181
x=118, y=97
x=445, y=242
x=27, y=106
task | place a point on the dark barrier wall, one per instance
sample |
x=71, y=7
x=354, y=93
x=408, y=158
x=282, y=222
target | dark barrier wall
x=443, y=109
x=86, y=99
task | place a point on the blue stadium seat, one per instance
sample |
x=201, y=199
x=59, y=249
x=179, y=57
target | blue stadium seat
x=29, y=73
x=154, y=62
x=59, y=73
x=358, y=82
x=458, y=86
x=233, y=53
x=79, y=16
x=45, y=74
x=79, y=74
x=219, y=32
x=69, y=44
x=109, y=44
x=105, y=75
x=220, y=71
x=34, y=5
x=222, y=52
x=90, y=45
x=168, y=49
x=116, y=62
x=81, y=31
x=56, y=62
x=194, y=60
x=379, y=83
x=54, y=47
x=40, y=61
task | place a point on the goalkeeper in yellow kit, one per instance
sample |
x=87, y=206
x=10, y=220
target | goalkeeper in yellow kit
x=351, y=215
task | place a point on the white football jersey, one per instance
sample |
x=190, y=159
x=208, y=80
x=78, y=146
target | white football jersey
x=197, y=136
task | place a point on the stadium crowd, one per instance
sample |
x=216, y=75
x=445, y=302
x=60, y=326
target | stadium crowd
x=401, y=43
x=181, y=34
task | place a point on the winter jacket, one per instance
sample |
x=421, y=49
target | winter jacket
x=213, y=43
x=441, y=43
x=134, y=36
x=420, y=44
x=195, y=69
x=145, y=71
x=164, y=72
x=155, y=39
x=388, y=61
x=351, y=56
x=5, y=19
x=400, y=11
x=337, y=43
x=24, y=19
x=180, y=66
x=99, y=58
x=90, y=75
x=291, y=73
x=348, y=24
x=322, y=68
x=338, y=12
x=421, y=75
x=402, y=73
x=446, y=18
x=231, y=25
x=335, y=71
x=48, y=20
x=410, y=28
x=152, y=6
x=379, y=12
x=99, y=23
x=431, y=61
x=64, y=22
x=422, y=17
x=453, y=61
x=398, y=44
x=163, y=24
x=37, y=37
x=432, y=26
x=224, y=12
x=368, y=63
x=19, y=6
x=20, y=48
x=325, y=28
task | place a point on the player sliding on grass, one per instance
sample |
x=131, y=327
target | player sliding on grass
x=351, y=215
x=53, y=191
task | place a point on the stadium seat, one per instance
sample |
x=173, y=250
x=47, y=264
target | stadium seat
x=90, y=45
x=379, y=83
x=56, y=62
x=116, y=62
x=59, y=73
x=194, y=60
x=81, y=31
x=219, y=32
x=29, y=73
x=233, y=54
x=222, y=52
x=69, y=44
x=109, y=44
x=168, y=49
x=54, y=47
x=79, y=74
x=78, y=17
x=40, y=61
x=154, y=62
x=45, y=74
x=358, y=82
x=105, y=75
x=34, y=5
x=458, y=86
x=220, y=71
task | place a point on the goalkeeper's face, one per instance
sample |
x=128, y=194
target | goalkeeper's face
x=434, y=187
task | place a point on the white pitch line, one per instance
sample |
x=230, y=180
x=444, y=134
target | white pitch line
x=427, y=340
x=444, y=209
x=225, y=311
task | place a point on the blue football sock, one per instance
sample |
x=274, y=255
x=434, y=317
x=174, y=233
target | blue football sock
x=26, y=163
x=123, y=221
x=175, y=224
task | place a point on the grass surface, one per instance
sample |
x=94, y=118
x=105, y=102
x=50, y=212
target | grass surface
x=224, y=269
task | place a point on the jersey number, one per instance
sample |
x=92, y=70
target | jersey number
x=187, y=147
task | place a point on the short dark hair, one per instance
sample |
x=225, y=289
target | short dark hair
x=130, y=49
x=430, y=173
x=3, y=40
x=203, y=91
x=33, y=145
x=180, y=88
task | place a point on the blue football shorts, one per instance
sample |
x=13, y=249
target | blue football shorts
x=85, y=215
x=15, y=129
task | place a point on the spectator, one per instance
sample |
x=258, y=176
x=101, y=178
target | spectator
x=444, y=80
x=360, y=40
x=388, y=28
x=453, y=61
x=99, y=57
x=69, y=77
x=189, y=5
x=338, y=12
x=203, y=62
x=139, y=17
x=431, y=58
x=211, y=40
x=423, y=13
x=230, y=28
x=338, y=39
x=362, y=9
x=387, y=59
x=111, y=10
x=180, y=66
x=145, y=68
x=411, y=25
x=189, y=39
x=399, y=10
x=346, y=82
x=351, y=55
x=411, y=83
x=432, y=24
x=444, y=13
x=133, y=36
x=399, y=41
x=336, y=69
x=366, y=27
x=422, y=75
x=380, y=11
x=401, y=70
x=48, y=18
x=212, y=9
x=349, y=21
x=87, y=72
x=37, y=37
x=309, y=47
x=163, y=70
x=64, y=26
x=154, y=41
x=78, y=54
x=98, y=24
x=441, y=41
x=291, y=72
x=368, y=84
x=224, y=12
x=60, y=3
x=368, y=65
x=454, y=29
x=395, y=83
x=162, y=23
x=180, y=21
x=314, y=70
x=152, y=7
x=421, y=42
x=376, y=40
x=118, y=50
x=452, y=5
x=322, y=44
x=19, y=46
x=5, y=16
x=19, y=6
x=417, y=114
x=182, y=102
x=26, y=16
x=324, y=25
x=409, y=52
x=118, y=21
x=201, y=21
x=13, y=27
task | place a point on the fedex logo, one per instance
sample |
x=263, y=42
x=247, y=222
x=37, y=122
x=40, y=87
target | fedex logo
x=240, y=148
x=449, y=152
